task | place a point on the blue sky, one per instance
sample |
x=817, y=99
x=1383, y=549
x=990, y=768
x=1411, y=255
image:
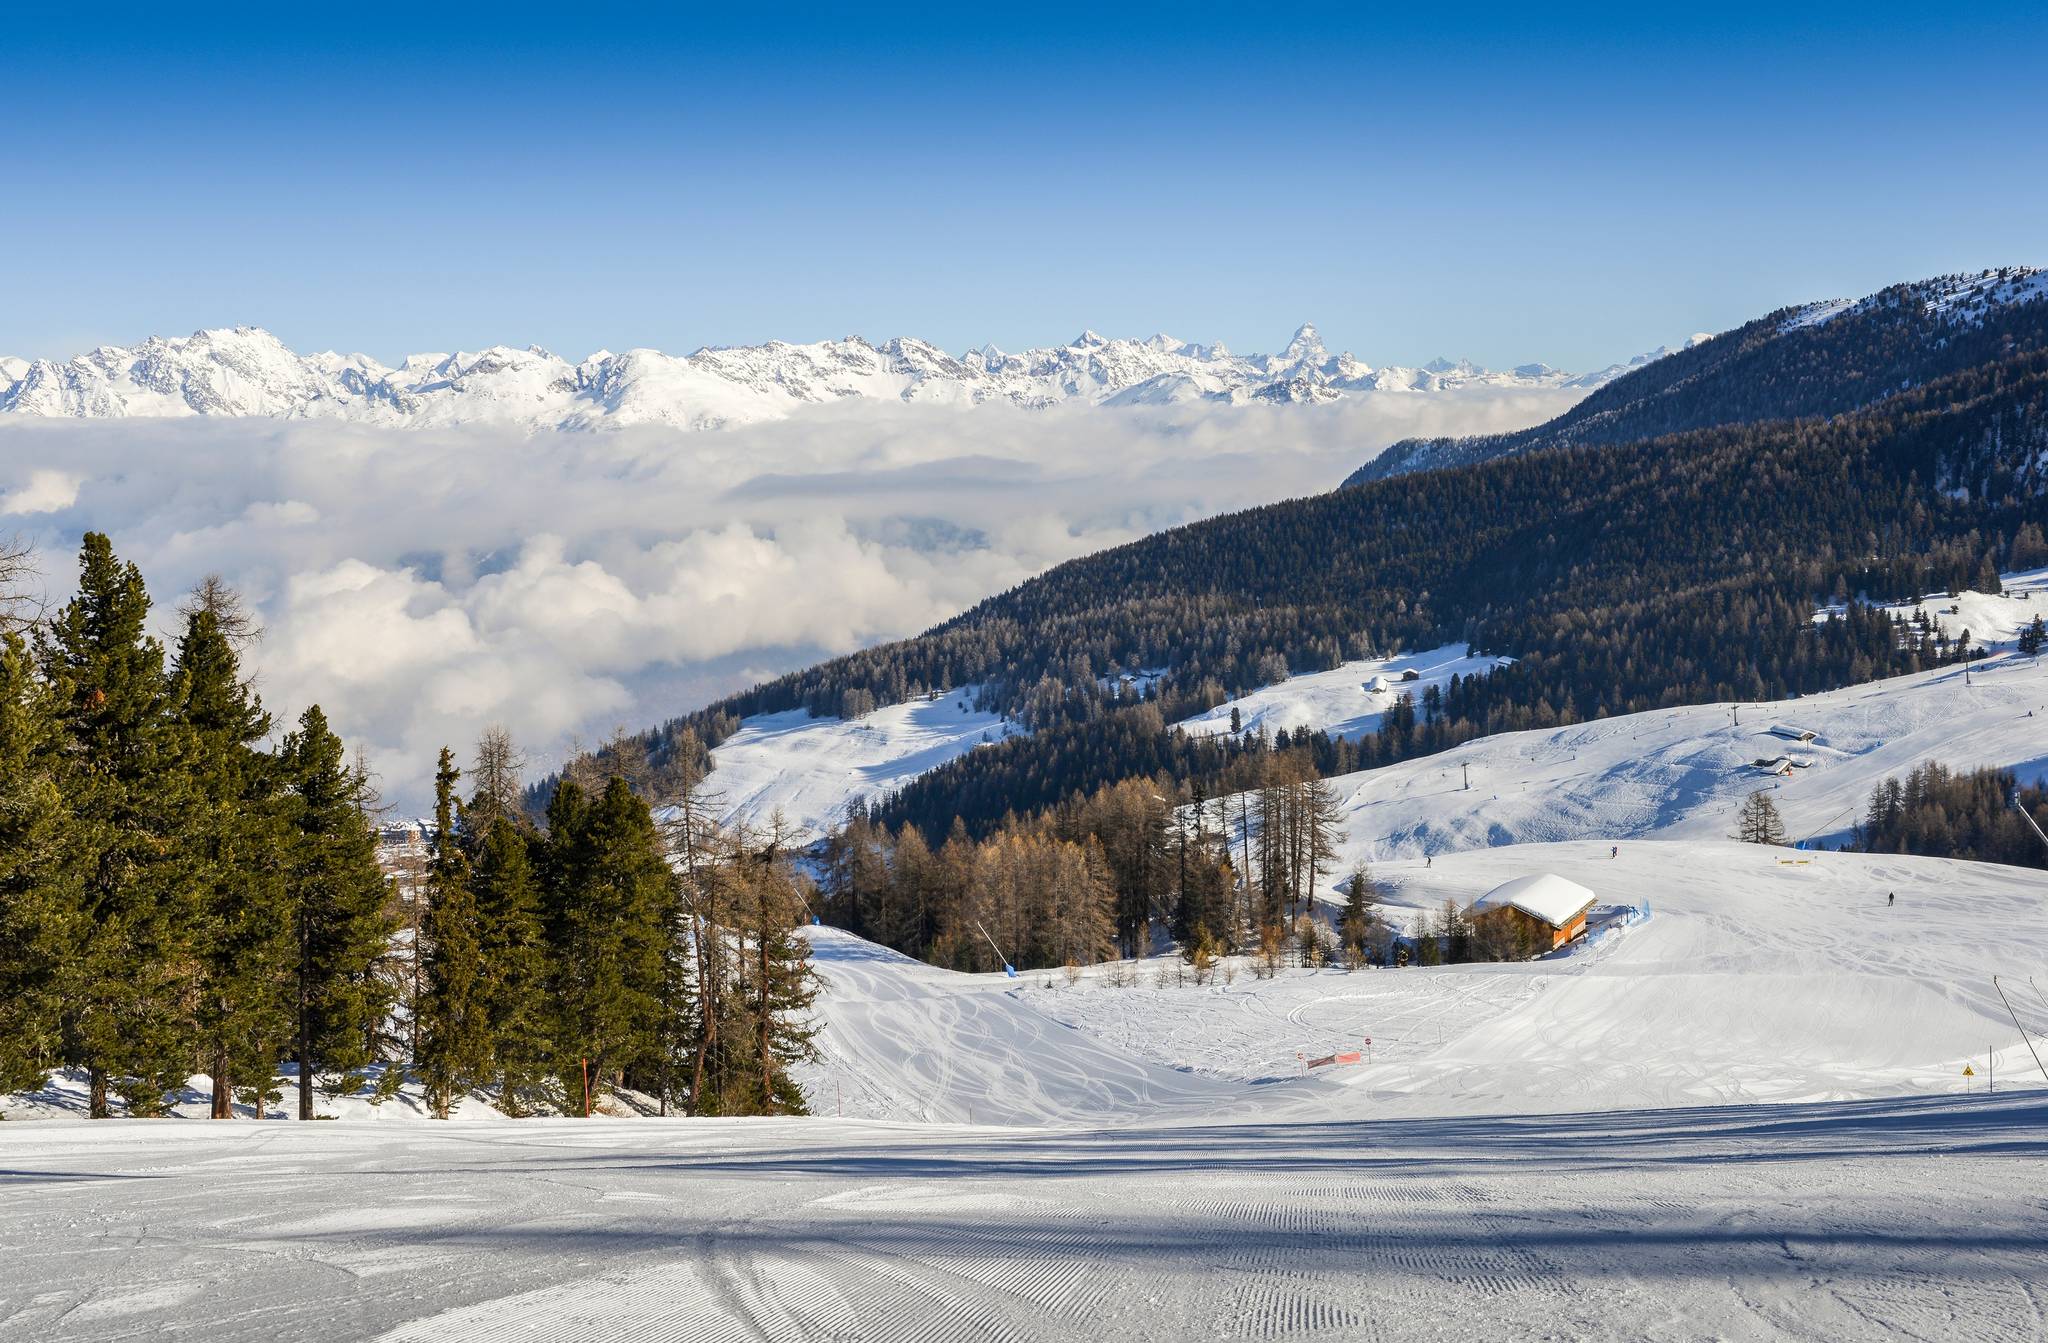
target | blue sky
x=1533, y=183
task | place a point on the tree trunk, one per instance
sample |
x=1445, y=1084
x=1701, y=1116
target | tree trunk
x=97, y=1102
x=767, y=1035
x=223, y=1094
x=707, y=997
x=305, y=1077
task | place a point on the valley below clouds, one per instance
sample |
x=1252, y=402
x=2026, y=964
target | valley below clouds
x=422, y=583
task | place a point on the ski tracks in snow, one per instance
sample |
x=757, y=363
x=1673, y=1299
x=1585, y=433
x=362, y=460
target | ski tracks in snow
x=1916, y=1218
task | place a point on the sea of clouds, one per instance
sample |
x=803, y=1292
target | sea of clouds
x=422, y=584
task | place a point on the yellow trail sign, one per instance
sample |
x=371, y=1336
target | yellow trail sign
x=1968, y=1071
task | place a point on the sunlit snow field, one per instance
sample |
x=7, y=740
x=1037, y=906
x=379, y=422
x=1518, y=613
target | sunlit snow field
x=1763, y=1110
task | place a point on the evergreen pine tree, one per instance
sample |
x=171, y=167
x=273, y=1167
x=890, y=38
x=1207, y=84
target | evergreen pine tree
x=126, y=1017
x=607, y=889
x=41, y=919
x=231, y=846
x=455, y=1027
x=514, y=952
x=1360, y=916
x=335, y=893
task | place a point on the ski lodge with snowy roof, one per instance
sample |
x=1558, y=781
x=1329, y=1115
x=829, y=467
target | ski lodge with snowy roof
x=1550, y=910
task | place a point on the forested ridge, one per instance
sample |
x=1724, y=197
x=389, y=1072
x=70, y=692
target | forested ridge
x=1777, y=367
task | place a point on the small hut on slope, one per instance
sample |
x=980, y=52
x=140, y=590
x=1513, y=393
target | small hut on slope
x=1541, y=908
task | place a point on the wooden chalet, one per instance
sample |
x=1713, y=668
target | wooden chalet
x=1541, y=908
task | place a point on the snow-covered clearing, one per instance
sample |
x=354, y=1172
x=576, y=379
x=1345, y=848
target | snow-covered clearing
x=813, y=768
x=1681, y=773
x=1341, y=701
x=1992, y=619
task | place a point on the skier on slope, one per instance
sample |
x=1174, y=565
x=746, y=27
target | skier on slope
x=1890, y=898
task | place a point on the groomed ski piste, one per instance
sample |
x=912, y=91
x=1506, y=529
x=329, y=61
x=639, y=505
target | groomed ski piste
x=811, y=770
x=1762, y=1111
x=1348, y=701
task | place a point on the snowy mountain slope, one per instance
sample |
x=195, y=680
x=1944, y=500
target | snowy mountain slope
x=1815, y=359
x=248, y=371
x=811, y=769
x=905, y=1040
x=1957, y=300
x=1341, y=701
x=1760, y=975
x=1991, y=619
x=1683, y=772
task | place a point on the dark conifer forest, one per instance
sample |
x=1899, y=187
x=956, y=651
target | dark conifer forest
x=1942, y=813
x=184, y=891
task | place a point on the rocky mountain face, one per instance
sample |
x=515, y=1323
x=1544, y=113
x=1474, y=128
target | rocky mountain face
x=248, y=371
x=1816, y=359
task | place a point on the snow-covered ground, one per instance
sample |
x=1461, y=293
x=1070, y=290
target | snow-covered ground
x=1991, y=619
x=1342, y=701
x=904, y=1040
x=65, y=1097
x=813, y=768
x=1682, y=773
x=1922, y=1219
x=1760, y=975
x=1747, y=1115
x=1148, y=1162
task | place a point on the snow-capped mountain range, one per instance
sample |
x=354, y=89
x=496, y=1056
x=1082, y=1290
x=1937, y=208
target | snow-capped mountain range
x=247, y=371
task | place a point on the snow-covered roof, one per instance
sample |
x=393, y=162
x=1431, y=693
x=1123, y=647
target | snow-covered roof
x=1540, y=895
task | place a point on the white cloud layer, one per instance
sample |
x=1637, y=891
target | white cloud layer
x=420, y=584
x=42, y=491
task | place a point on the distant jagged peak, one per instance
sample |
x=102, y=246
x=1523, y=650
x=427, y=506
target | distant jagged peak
x=1306, y=346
